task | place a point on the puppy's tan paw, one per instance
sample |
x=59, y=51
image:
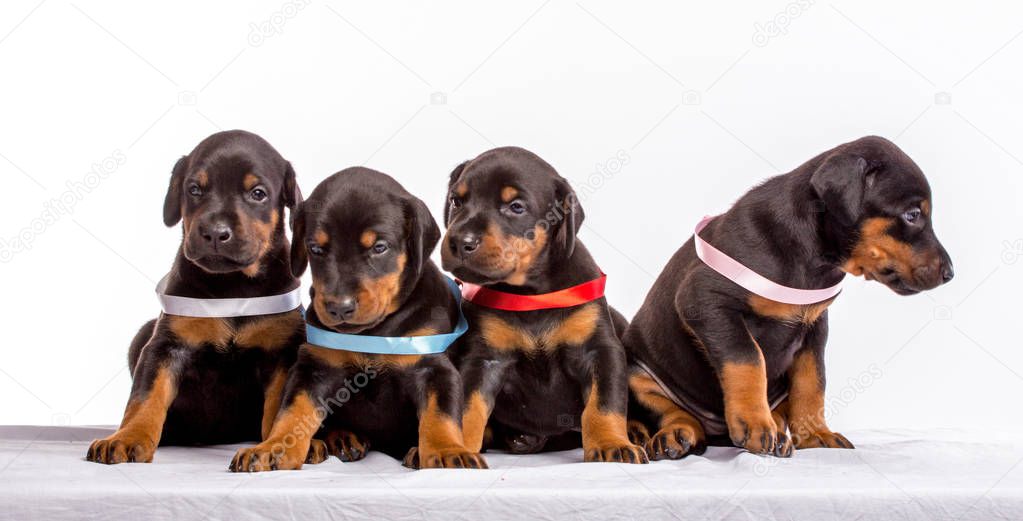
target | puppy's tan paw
x=623, y=452
x=822, y=439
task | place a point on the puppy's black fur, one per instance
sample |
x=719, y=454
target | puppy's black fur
x=738, y=364
x=207, y=380
x=512, y=224
x=369, y=243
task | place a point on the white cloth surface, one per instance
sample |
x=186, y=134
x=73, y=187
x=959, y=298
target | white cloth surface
x=892, y=474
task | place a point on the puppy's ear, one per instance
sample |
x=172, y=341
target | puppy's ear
x=172, y=201
x=422, y=234
x=299, y=257
x=840, y=182
x=455, y=174
x=571, y=212
x=292, y=193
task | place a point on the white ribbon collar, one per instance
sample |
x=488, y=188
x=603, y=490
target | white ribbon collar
x=226, y=307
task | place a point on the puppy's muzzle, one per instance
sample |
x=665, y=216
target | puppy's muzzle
x=465, y=244
x=340, y=310
x=216, y=235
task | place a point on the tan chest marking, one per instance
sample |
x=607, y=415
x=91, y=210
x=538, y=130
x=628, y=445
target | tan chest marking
x=269, y=333
x=424, y=331
x=790, y=313
x=197, y=332
x=574, y=330
x=265, y=333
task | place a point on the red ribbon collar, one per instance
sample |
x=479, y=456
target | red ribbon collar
x=564, y=298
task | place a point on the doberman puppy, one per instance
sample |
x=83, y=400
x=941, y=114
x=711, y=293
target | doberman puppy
x=369, y=243
x=215, y=380
x=711, y=358
x=512, y=224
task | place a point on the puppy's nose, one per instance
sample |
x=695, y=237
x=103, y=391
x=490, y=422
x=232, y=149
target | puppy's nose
x=467, y=243
x=947, y=272
x=343, y=309
x=218, y=233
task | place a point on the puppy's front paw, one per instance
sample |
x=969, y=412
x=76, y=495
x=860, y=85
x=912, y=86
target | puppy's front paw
x=317, y=452
x=637, y=431
x=756, y=433
x=347, y=446
x=263, y=457
x=457, y=458
x=675, y=443
x=822, y=439
x=411, y=459
x=621, y=452
x=523, y=443
x=121, y=448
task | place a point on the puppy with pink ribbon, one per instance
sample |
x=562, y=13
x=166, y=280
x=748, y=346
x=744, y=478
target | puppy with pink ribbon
x=728, y=347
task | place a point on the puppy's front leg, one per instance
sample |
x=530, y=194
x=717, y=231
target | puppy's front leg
x=439, y=404
x=482, y=377
x=605, y=437
x=739, y=363
x=806, y=395
x=153, y=389
x=272, y=395
x=679, y=434
x=303, y=408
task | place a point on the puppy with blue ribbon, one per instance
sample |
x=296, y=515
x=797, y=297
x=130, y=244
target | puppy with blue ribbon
x=374, y=370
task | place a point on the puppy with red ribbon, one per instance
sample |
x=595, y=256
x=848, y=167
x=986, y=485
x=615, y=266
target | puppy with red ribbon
x=729, y=343
x=542, y=357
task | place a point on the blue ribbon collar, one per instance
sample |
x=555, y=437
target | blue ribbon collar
x=388, y=345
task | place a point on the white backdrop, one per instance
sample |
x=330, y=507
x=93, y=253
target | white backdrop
x=658, y=113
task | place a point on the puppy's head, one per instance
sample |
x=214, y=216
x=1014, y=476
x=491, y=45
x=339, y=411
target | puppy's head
x=508, y=213
x=367, y=240
x=230, y=192
x=876, y=199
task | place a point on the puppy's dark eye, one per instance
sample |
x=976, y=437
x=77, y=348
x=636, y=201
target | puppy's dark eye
x=258, y=194
x=194, y=190
x=316, y=249
x=380, y=247
x=516, y=207
x=455, y=203
x=912, y=216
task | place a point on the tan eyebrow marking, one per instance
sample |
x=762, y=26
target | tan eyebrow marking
x=509, y=193
x=462, y=189
x=203, y=178
x=250, y=181
x=367, y=238
x=321, y=237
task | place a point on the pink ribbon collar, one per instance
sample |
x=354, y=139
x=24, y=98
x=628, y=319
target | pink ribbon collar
x=736, y=272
